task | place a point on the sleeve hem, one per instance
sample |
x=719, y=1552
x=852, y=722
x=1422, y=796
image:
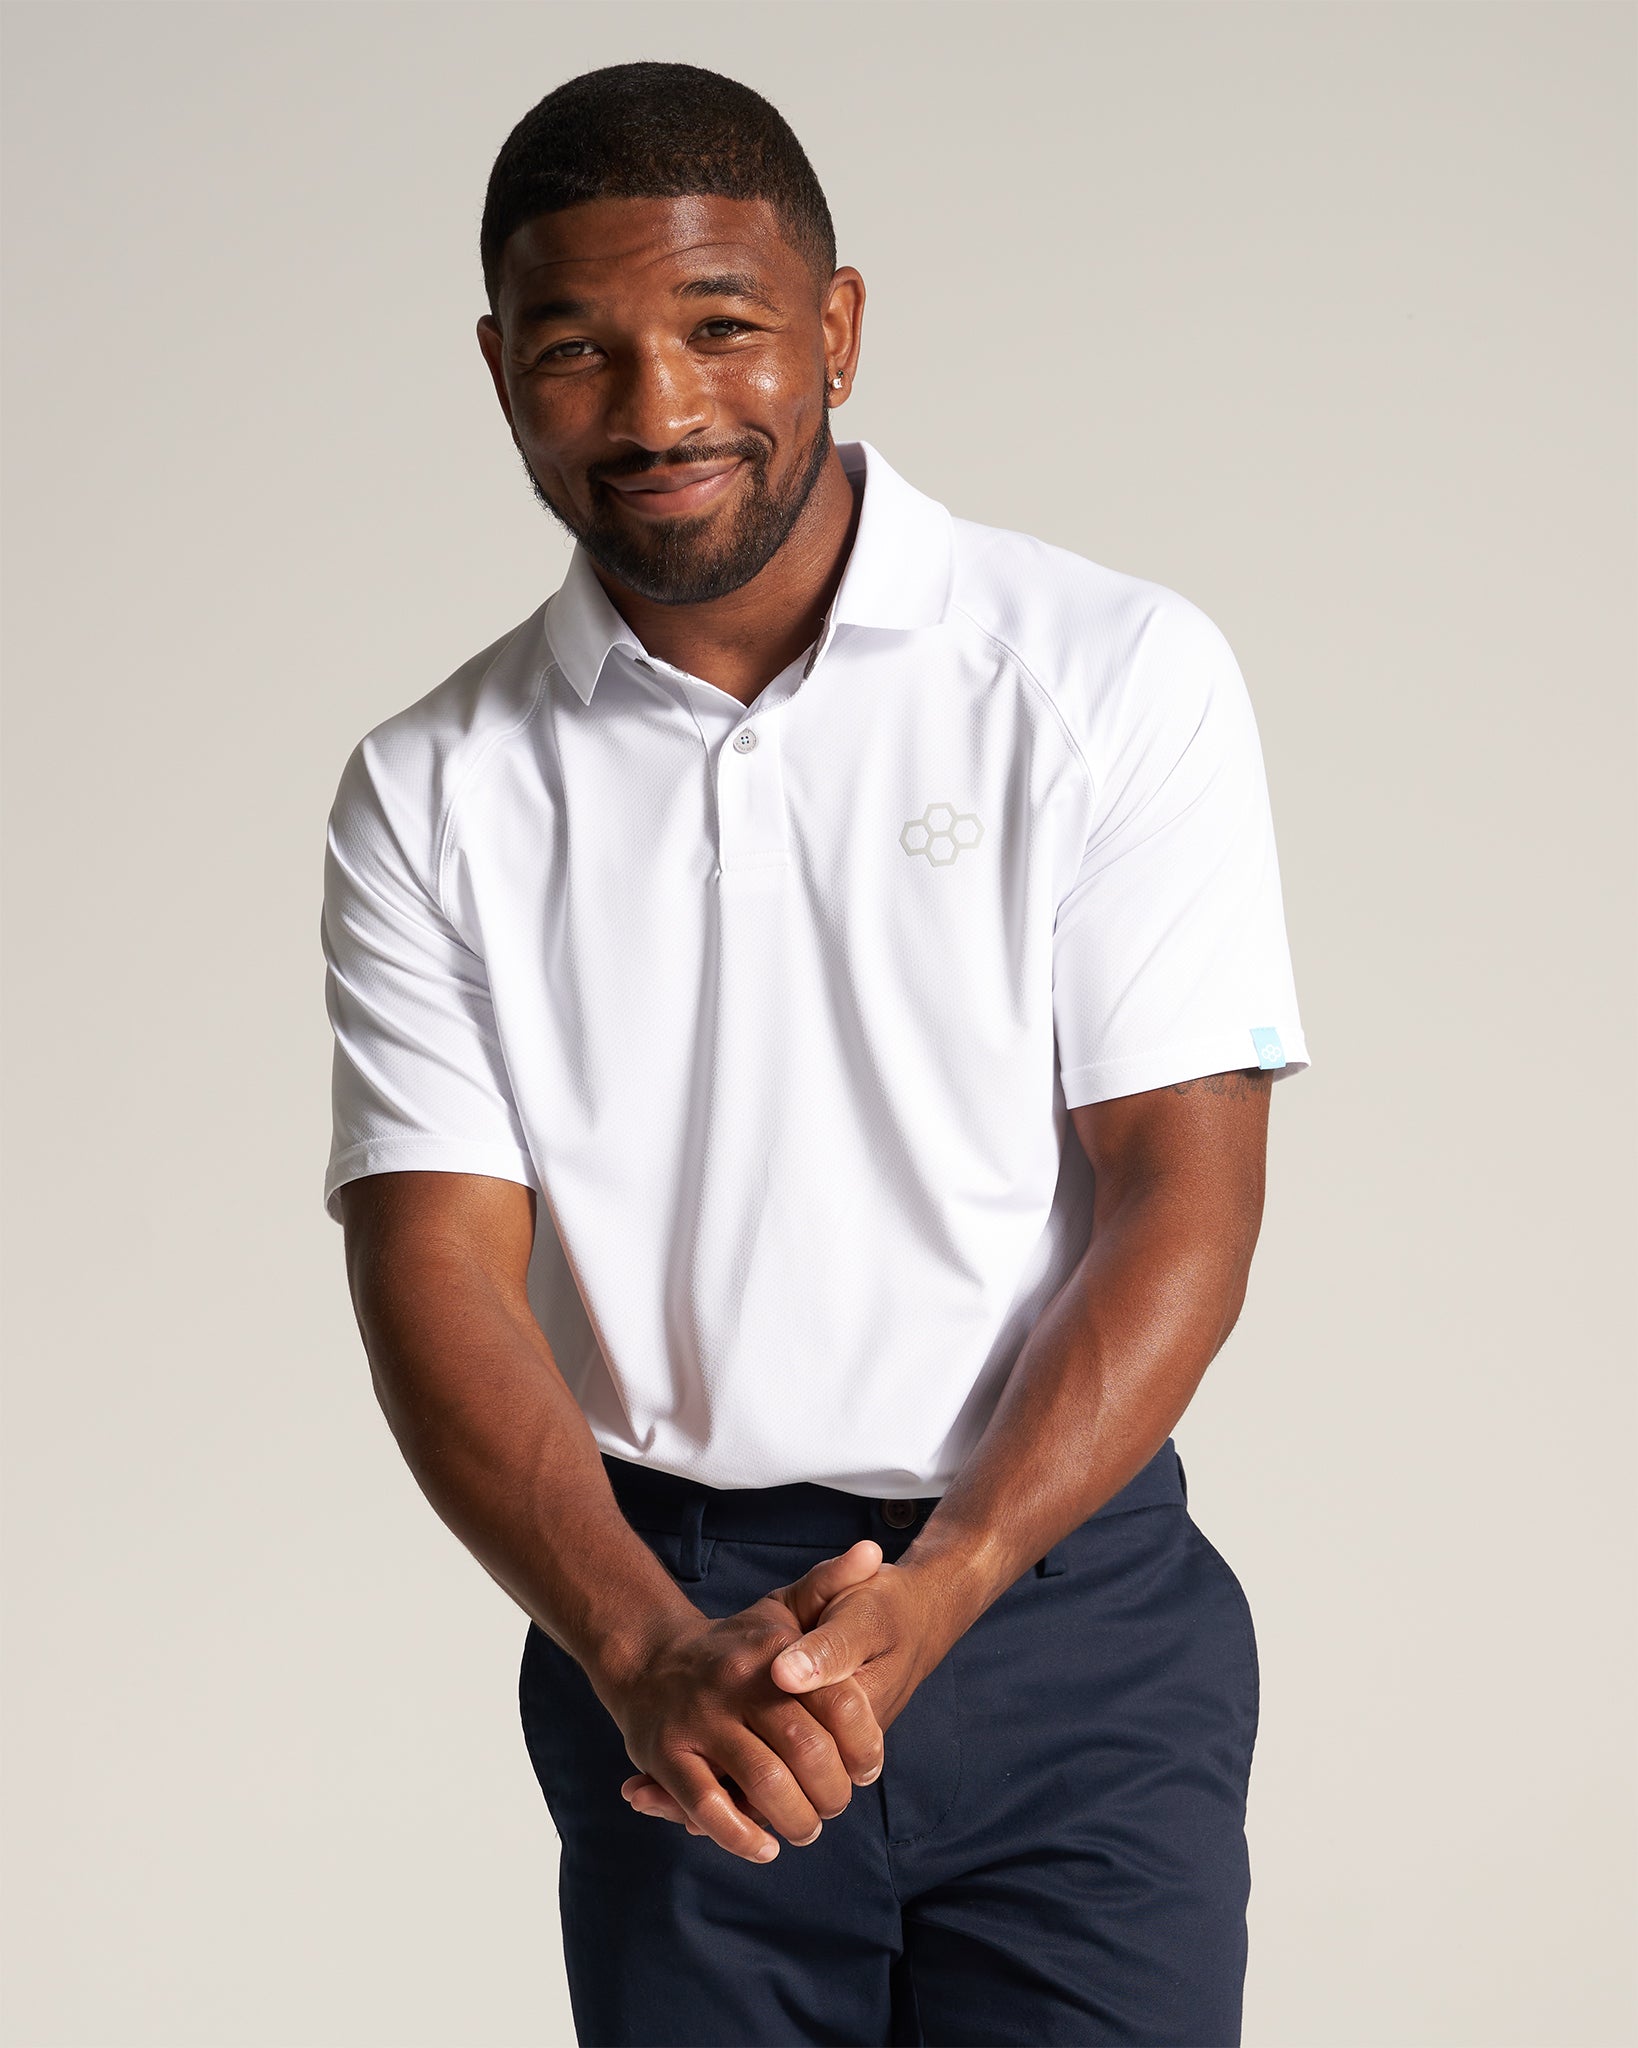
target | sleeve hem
x=1230, y=1052
x=430, y=1155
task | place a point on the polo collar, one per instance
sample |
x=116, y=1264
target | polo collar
x=898, y=576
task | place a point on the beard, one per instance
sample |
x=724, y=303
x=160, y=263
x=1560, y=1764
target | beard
x=692, y=561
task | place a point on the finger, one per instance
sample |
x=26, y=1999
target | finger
x=833, y=1650
x=702, y=1796
x=656, y=1803
x=648, y=1796
x=761, y=1777
x=806, y=1747
x=846, y=1711
x=809, y=1596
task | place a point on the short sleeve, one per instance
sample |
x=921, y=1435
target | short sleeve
x=418, y=1078
x=1170, y=957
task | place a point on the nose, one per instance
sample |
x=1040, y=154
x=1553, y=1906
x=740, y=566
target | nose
x=656, y=400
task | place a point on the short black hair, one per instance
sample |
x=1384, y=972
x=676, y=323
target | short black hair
x=650, y=130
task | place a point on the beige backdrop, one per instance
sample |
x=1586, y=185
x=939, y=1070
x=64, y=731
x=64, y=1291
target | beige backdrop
x=1323, y=315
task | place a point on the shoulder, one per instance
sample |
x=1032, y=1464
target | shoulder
x=1107, y=647
x=407, y=772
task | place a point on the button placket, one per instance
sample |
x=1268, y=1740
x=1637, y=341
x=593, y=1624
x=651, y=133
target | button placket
x=751, y=824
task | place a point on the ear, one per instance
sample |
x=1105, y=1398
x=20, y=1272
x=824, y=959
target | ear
x=493, y=344
x=841, y=319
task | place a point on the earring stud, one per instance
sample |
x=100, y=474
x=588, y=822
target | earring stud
x=835, y=383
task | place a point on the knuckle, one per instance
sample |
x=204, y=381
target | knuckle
x=807, y=1740
x=742, y=1665
x=672, y=1757
x=848, y=1704
x=763, y=1776
x=715, y=1811
x=710, y=1804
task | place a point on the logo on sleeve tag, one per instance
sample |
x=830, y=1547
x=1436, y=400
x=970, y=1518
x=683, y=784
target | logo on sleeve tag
x=1270, y=1052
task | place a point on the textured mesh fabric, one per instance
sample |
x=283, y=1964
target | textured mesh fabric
x=782, y=1007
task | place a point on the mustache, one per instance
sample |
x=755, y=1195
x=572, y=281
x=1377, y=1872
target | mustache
x=676, y=459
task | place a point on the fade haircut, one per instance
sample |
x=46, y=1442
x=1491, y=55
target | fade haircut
x=649, y=130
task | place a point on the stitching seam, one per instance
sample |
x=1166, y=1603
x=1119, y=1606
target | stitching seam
x=468, y=781
x=1039, y=687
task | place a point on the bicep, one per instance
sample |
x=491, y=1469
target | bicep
x=1199, y=1146
x=402, y=1228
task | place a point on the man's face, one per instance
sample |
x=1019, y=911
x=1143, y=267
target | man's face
x=642, y=343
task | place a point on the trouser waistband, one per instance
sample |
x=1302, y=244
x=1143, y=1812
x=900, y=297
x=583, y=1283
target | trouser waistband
x=666, y=1503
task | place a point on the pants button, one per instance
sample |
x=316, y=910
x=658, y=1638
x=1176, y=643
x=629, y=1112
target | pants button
x=898, y=1514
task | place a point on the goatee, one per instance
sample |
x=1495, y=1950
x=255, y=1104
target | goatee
x=692, y=561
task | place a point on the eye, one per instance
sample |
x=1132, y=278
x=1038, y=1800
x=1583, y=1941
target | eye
x=724, y=321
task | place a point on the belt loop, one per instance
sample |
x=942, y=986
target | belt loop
x=691, y=1539
x=1048, y=1567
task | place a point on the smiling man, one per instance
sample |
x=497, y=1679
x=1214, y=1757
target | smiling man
x=805, y=1004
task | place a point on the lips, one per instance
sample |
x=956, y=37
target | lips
x=683, y=488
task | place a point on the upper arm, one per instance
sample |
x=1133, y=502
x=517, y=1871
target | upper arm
x=419, y=1079
x=1169, y=953
x=1198, y=1148
x=408, y=1230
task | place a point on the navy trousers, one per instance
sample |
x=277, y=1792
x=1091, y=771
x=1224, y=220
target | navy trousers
x=1055, y=1850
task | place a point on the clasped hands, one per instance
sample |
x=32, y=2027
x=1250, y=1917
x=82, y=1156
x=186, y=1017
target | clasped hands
x=787, y=1701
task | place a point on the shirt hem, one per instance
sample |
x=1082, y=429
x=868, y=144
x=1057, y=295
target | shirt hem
x=1230, y=1052
x=409, y=1155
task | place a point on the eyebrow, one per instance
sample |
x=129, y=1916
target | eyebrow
x=724, y=284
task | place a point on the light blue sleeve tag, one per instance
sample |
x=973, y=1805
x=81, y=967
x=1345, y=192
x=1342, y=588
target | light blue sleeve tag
x=1270, y=1052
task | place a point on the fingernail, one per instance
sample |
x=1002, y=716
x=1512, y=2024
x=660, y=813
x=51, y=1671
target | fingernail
x=818, y=1831
x=767, y=1852
x=800, y=1665
x=870, y=1777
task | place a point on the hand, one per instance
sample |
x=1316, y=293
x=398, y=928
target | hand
x=875, y=1632
x=704, y=1703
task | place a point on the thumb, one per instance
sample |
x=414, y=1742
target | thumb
x=811, y=1594
x=833, y=1651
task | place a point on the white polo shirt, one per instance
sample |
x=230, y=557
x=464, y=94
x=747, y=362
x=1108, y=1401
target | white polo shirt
x=782, y=1007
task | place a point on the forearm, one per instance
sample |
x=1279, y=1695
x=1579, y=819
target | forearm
x=501, y=1449
x=1103, y=1378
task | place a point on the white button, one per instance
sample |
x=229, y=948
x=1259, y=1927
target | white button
x=745, y=740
